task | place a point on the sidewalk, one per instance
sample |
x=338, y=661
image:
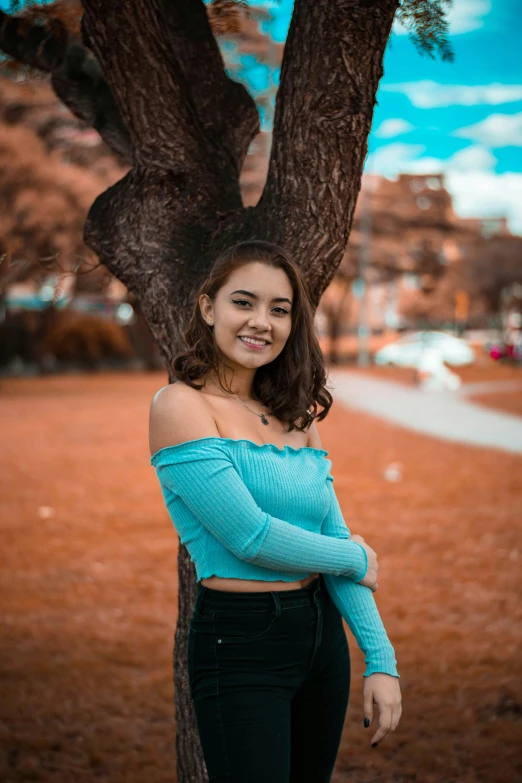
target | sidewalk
x=484, y=387
x=446, y=415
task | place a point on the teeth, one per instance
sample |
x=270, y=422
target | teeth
x=252, y=340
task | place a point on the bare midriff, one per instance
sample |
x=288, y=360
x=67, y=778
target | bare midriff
x=253, y=585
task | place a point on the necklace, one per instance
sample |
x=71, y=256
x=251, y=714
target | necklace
x=262, y=416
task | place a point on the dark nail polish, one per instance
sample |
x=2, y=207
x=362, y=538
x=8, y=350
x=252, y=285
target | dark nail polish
x=366, y=723
x=374, y=744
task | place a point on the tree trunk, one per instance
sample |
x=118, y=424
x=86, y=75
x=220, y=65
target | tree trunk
x=170, y=110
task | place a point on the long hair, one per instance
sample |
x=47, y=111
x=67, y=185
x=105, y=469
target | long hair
x=294, y=383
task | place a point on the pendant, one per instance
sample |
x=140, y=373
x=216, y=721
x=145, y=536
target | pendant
x=264, y=419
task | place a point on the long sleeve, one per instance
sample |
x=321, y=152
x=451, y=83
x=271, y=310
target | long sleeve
x=209, y=484
x=356, y=603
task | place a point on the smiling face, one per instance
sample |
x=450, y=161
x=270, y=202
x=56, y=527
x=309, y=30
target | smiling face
x=251, y=315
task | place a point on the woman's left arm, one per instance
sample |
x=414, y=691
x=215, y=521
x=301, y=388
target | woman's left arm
x=357, y=605
x=356, y=602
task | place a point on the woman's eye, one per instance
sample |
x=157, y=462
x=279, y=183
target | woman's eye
x=242, y=302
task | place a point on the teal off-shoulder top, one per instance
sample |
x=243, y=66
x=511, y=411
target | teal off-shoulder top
x=251, y=511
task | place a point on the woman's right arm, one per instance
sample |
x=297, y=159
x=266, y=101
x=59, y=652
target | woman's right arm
x=205, y=477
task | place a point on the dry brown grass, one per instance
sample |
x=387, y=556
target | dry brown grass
x=506, y=402
x=89, y=592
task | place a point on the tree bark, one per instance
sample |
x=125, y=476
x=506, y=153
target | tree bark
x=187, y=128
x=329, y=78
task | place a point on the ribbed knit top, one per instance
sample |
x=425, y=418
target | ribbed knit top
x=251, y=511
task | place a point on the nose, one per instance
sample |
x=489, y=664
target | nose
x=258, y=320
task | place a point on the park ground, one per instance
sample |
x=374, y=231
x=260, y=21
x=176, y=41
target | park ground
x=89, y=589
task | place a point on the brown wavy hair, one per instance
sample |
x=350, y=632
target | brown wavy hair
x=293, y=384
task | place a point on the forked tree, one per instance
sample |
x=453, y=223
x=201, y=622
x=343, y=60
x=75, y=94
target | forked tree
x=149, y=77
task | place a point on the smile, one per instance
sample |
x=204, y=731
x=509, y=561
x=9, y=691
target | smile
x=253, y=342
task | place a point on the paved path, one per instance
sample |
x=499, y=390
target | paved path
x=486, y=387
x=446, y=415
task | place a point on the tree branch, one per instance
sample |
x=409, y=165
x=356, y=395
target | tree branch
x=330, y=73
x=75, y=75
x=79, y=82
x=227, y=112
x=130, y=44
x=41, y=47
x=148, y=51
x=172, y=107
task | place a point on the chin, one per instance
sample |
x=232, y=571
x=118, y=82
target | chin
x=248, y=362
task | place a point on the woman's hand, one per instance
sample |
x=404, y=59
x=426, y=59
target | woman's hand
x=384, y=690
x=370, y=577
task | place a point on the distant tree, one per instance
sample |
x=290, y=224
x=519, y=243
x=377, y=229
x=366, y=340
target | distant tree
x=487, y=268
x=149, y=77
x=335, y=307
x=491, y=266
x=429, y=265
x=43, y=206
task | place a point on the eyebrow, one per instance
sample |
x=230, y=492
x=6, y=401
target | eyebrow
x=255, y=296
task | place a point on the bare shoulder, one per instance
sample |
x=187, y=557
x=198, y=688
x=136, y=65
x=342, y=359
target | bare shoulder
x=179, y=413
x=314, y=439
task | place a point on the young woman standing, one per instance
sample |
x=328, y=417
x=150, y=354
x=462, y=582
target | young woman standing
x=249, y=488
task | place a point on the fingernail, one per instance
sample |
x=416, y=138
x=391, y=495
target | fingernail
x=374, y=744
x=366, y=723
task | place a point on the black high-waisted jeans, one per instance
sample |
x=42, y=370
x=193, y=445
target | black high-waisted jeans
x=269, y=674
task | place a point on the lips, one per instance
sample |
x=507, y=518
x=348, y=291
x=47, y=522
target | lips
x=252, y=337
x=253, y=344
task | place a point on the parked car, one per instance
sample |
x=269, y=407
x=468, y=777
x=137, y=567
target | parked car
x=407, y=350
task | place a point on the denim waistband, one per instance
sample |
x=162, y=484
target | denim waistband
x=224, y=599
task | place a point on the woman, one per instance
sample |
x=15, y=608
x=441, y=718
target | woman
x=247, y=483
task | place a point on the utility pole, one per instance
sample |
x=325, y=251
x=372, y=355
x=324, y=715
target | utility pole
x=360, y=287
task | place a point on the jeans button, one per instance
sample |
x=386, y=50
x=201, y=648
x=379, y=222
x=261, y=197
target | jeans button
x=219, y=641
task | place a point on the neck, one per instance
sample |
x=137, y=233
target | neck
x=238, y=381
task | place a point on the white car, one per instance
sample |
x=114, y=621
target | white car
x=407, y=350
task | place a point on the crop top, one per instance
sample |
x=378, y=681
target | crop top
x=256, y=511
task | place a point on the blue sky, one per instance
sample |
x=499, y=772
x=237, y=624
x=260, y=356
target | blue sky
x=462, y=118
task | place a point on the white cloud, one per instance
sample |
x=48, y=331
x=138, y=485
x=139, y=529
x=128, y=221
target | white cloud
x=398, y=157
x=476, y=189
x=472, y=158
x=391, y=158
x=486, y=194
x=427, y=94
x=463, y=17
x=393, y=126
x=497, y=130
x=467, y=15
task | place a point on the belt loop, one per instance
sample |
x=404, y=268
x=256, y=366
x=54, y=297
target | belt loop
x=199, y=600
x=277, y=602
